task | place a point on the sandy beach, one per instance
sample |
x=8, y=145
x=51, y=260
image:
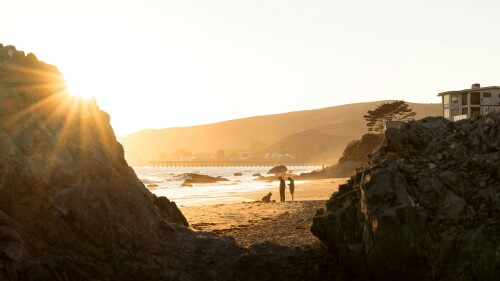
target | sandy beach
x=249, y=223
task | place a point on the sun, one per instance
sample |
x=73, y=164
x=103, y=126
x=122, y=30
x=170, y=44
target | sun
x=78, y=85
x=122, y=66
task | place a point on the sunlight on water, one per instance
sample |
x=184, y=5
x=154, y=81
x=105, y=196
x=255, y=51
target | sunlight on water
x=170, y=179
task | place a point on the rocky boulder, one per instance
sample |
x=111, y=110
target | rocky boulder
x=427, y=208
x=281, y=169
x=67, y=196
x=197, y=178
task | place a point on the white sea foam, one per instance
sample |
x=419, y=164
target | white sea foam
x=170, y=179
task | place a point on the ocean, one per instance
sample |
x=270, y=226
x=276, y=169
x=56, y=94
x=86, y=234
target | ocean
x=169, y=181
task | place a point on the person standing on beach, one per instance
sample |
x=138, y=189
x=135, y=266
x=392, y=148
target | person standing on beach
x=292, y=186
x=282, y=189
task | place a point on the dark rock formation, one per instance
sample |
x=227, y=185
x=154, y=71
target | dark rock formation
x=238, y=174
x=197, y=178
x=72, y=209
x=315, y=175
x=355, y=155
x=68, y=198
x=271, y=262
x=281, y=169
x=428, y=207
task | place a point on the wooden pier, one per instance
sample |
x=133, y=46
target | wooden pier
x=229, y=163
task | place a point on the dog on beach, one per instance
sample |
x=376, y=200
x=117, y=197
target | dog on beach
x=267, y=198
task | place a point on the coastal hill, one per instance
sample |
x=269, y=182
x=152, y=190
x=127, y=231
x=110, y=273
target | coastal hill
x=321, y=133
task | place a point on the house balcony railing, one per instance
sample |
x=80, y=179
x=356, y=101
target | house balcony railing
x=460, y=117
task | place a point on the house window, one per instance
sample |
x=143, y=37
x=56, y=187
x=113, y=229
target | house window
x=454, y=112
x=465, y=111
x=454, y=98
x=486, y=95
x=475, y=98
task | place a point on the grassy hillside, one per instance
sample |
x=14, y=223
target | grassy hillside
x=301, y=130
x=309, y=145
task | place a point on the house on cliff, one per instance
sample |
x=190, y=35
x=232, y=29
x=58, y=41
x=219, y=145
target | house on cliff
x=470, y=103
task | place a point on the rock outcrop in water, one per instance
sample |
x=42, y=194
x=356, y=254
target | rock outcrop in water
x=197, y=178
x=428, y=207
x=72, y=209
x=281, y=169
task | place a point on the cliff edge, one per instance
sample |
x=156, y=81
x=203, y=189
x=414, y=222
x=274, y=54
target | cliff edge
x=427, y=208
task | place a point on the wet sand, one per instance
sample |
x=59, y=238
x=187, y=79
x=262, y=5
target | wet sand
x=285, y=223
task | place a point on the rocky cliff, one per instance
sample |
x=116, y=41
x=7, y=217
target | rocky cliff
x=427, y=208
x=355, y=155
x=72, y=209
x=68, y=196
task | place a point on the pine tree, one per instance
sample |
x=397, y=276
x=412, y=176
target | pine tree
x=397, y=110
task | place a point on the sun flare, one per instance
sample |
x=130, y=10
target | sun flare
x=79, y=87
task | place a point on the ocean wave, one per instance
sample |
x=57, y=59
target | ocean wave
x=170, y=179
x=150, y=180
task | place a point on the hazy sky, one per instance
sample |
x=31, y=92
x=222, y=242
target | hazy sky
x=157, y=64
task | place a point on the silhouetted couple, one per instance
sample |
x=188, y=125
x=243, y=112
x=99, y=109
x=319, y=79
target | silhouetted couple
x=283, y=187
